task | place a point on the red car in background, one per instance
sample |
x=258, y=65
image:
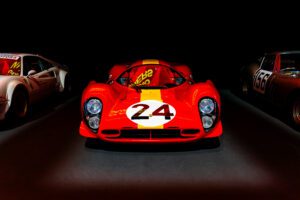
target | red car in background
x=150, y=101
x=275, y=79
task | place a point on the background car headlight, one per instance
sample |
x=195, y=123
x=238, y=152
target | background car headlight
x=94, y=106
x=207, y=105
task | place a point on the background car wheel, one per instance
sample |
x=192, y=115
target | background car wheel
x=19, y=105
x=68, y=89
x=294, y=111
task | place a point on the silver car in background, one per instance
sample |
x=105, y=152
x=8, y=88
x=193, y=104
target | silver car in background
x=26, y=79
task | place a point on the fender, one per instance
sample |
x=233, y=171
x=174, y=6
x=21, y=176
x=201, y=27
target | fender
x=11, y=88
x=61, y=77
x=101, y=91
x=199, y=90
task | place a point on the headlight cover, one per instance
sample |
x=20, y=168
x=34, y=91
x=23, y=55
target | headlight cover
x=94, y=122
x=208, y=112
x=92, y=113
x=207, y=122
x=94, y=106
x=207, y=105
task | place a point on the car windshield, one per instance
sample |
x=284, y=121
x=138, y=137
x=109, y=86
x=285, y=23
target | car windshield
x=290, y=62
x=150, y=76
x=10, y=67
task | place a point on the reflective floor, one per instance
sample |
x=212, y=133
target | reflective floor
x=45, y=158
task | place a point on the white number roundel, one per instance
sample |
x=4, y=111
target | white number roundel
x=150, y=113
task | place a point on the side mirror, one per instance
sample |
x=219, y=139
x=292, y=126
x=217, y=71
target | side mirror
x=31, y=72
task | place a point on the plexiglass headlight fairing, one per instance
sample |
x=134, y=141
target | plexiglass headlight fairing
x=207, y=122
x=209, y=112
x=94, y=106
x=92, y=113
x=207, y=105
x=94, y=122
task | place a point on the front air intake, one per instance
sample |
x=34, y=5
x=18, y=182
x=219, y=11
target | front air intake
x=150, y=133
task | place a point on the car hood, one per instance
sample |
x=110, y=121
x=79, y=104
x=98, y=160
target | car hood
x=151, y=108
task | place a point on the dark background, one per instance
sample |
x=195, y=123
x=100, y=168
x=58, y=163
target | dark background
x=214, y=39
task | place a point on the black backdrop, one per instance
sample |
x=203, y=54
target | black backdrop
x=213, y=40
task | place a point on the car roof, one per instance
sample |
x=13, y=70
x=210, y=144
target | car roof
x=17, y=54
x=283, y=52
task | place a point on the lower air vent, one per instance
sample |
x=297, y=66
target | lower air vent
x=150, y=133
x=110, y=131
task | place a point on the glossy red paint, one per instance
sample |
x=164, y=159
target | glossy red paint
x=185, y=71
x=117, y=98
x=277, y=63
x=116, y=71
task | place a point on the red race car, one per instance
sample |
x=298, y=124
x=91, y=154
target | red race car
x=150, y=101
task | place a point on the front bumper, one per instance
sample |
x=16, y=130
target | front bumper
x=151, y=135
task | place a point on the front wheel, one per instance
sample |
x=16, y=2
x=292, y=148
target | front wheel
x=214, y=142
x=210, y=142
x=93, y=143
x=19, y=104
x=295, y=111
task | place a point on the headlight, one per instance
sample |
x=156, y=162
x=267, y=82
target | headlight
x=206, y=106
x=207, y=122
x=94, y=106
x=92, y=113
x=94, y=122
x=208, y=112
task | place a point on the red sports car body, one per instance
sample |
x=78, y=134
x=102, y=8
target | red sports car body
x=150, y=101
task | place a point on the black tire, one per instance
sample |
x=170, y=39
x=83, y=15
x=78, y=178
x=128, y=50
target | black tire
x=19, y=105
x=214, y=142
x=210, y=143
x=294, y=111
x=93, y=143
x=244, y=88
x=68, y=89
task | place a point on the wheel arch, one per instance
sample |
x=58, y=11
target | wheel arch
x=13, y=87
x=292, y=95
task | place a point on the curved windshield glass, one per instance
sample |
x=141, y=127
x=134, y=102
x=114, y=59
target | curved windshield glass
x=10, y=67
x=150, y=76
x=290, y=62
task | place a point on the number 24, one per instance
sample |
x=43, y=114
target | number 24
x=165, y=108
